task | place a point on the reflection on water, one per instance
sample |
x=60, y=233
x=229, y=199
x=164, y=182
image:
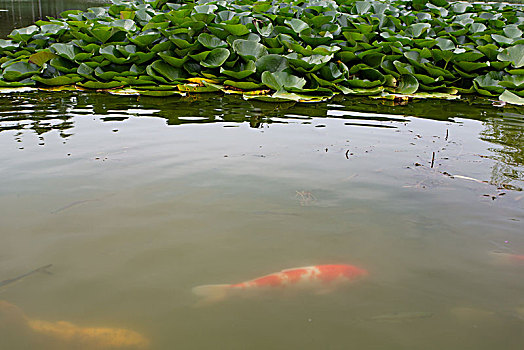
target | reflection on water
x=507, y=135
x=50, y=111
x=21, y=13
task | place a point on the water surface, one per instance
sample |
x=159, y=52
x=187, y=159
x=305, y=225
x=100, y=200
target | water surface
x=21, y=13
x=136, y=201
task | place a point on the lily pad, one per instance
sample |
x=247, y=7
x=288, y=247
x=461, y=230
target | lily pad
x=249, y=50
x=509, y=97
x=216, y=58
x=513, y=54
x=408, y=84
x=282, y=80
x=20, y=70
x=242, y=71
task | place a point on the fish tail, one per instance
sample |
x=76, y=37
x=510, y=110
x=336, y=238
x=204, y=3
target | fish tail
x=212, y=293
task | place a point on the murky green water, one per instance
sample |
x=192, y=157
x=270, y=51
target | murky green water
x=135, y=202
x=20, y=13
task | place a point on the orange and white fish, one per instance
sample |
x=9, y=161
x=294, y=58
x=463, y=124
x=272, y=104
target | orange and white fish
x=321, y=278
x=503, y=257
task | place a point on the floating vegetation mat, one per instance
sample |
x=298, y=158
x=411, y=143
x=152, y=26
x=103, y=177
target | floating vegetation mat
x=303, y=51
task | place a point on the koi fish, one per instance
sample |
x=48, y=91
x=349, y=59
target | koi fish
x=323, y=278
x=65, y=335
x=507, y=258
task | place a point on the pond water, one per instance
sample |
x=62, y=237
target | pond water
x=135, y=202
x=21, y=13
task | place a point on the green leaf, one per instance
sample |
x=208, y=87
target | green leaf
x=403, y=68
x=216, y=58
x=53, y=29
x=249, y=50
x=145, y=39
x=63, y=65
x=190, y=87
x=331, y=72
x=362, y=7
x=297, y=25
x=513, y=82
x=20, y=70
x=170, y=58
x=308, y=64
x=237, y=29
x=169, y=72
x=58, y=81
x=471, y=66
x=512, y=31
x=41, y=57
x=271, y=63
x=85, y=71
x=112, y=54
x=416, y=30
x=211, y=41
x=127, y=25
x=489, y=82
x=8, y=45
x=68, y=51
x=243, y=85
x=408, y=84
x=367, y=78
x=141, y=57
x=513, y=54
x=509, y=97
x=24, y=34
x=243, y=70
x=489, y=50
x=98, y=85
x=282, y=80
x=102, y=33
x=136, y=81
x=360, y=92
x=501, y=39
x=109, y=75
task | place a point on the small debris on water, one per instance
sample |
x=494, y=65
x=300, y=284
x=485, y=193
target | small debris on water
x=402, y=316
x=305, y=198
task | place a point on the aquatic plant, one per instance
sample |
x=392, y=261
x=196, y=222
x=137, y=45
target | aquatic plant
x=299, y=50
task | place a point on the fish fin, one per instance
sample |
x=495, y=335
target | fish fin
x=211, y=293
